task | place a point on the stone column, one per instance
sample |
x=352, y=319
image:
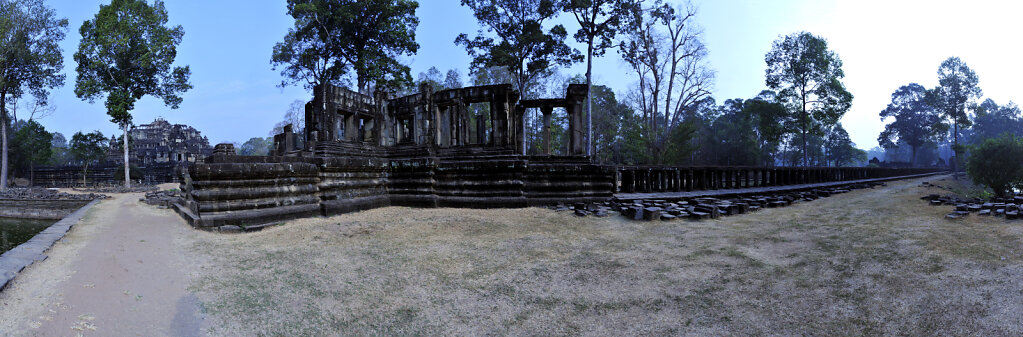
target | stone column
x=444, y=126
x=351, y=127
x=520, y=132
x=576, y=127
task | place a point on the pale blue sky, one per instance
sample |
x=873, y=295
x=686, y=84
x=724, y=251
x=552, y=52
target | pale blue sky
x=883, y=44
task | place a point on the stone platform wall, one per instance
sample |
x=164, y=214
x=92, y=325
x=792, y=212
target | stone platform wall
x=251, y=191
x=217, y=194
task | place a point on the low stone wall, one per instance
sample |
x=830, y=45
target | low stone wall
x=68, y=176
x=39, y=209
x=653, y=179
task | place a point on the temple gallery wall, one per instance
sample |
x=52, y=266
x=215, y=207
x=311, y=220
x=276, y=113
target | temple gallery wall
x=461, y=147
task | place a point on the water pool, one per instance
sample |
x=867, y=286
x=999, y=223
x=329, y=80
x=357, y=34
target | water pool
x=14, y=231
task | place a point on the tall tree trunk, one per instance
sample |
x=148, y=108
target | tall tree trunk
x=589, y=98
x=805, y=160
x=85, y=172
x=3, y=134
x=912, y=160
x=127, y=173
x=954, y=141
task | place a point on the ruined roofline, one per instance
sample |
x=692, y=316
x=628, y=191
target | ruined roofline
x=471, y=94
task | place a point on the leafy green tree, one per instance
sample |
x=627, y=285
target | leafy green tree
x=998, y=164
x=734, y=135
x=256, y=146
x=332, y=38
x=88, y=148
x=60, y=154
x=957, y=86
x=992, y=120
x=769, y=117
x=126, y=53
x=839, y=148
x=522, y=46
x=808, y=75
x=608, y=122
x=30, y=59
x=915, y=122
x=599, y=22
x=31, y=146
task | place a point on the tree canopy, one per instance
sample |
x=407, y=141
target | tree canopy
x=523, y=46
x=88, y=148
x=808, y=76
x=31, y=146
x=335, y=38
x=915, y=121
x=30, y=59
x=998, y=163
x=957, y=86
x=992, y=120
x=127, y=52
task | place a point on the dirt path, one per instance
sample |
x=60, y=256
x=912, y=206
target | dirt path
x=121, y=272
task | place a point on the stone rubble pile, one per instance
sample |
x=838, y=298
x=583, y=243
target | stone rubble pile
x=119, y=189
x=701, y=207
x=1010, y=208
x=47, y=194
x=161, y=199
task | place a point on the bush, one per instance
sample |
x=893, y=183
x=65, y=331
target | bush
x=997, y=163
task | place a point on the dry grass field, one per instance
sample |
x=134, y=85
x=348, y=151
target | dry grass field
x=871, y=262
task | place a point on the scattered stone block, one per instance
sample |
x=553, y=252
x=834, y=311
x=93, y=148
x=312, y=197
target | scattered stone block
x=652, y=213
x=637, y=213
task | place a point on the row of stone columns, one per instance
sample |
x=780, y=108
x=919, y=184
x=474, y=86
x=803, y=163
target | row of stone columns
x=678, y=179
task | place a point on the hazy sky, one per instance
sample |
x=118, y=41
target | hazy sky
x=883, y=45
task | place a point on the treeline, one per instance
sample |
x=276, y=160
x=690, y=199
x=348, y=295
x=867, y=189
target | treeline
x=125, y=53
x=667, y=117
x=32, y=145
x=922, y=119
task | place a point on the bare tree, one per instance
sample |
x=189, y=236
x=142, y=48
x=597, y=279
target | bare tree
x=665, y=49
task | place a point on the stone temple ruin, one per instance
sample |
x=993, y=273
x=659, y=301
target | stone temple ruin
x=159, y=149
x=451, y=148
x=161, y=142
x=426, y=150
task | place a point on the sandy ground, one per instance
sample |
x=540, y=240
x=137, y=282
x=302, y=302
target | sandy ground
x=870, y=262
x=121, y=271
